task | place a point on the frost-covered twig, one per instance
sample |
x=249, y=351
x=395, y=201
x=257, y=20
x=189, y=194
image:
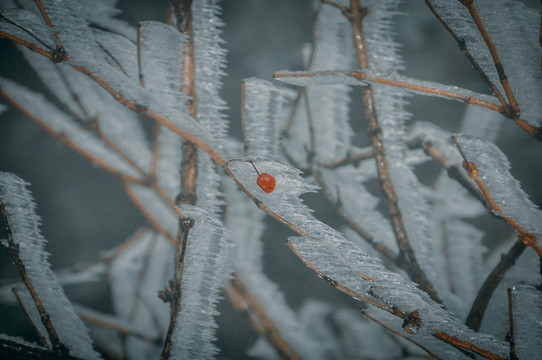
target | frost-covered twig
x=172, y=294
x=464, y=48
x=407, y=258
x=13, y=251
x=469, y=4
x=240, y=296
x=42, y=338
x=426, y=87
x=527, y=237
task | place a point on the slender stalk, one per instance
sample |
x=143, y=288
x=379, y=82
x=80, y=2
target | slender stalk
x=173, y=293
x=12, y=248
x=463, y=47
x=365, y=77
x=465, y=345
x=43, y=339
x=479, y=306
x=407, y=258
x=469, y=4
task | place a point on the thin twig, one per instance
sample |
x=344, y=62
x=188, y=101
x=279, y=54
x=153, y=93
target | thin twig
x=12, y=248
x=465, y=345
x=43, y=339
x=479, y=306
x=469, y=4
x=368, y=78
x=401, y=335
x=407, y=258
x=245, y=302
x=173, y=293
x=463, y=47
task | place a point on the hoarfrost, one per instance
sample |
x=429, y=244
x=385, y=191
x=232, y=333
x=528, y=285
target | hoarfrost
x=24, y=223
x=207, y=265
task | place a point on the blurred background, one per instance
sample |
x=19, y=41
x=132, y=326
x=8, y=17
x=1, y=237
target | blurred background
x=85, y=211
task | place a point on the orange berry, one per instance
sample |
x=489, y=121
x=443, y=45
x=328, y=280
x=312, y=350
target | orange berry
x=266, y=182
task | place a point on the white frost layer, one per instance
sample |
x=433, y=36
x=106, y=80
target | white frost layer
x=342, y=261
x=207, y=265
x=494, y=172
x=510, y=25
x=24, y=223
x=301, y=78
x=247, y=228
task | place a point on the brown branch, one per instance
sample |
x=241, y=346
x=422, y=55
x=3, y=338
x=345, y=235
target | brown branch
x=479, y=306
x=469, y=4
x=43, y=13
x=43, y=339
x=240, y=296
x=368, y=78
x=424, y=89
x=463, y=47
x=401, y=335
x=465, y=345
x=12, y=248
x=28, y=45
x=407, y=258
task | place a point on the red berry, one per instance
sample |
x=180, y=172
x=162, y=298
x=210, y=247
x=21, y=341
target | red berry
x=266, y=182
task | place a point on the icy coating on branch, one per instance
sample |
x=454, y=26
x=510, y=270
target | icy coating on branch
x=24, y=224
x=494, y=172
x=207, y=266
x=511, y=26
